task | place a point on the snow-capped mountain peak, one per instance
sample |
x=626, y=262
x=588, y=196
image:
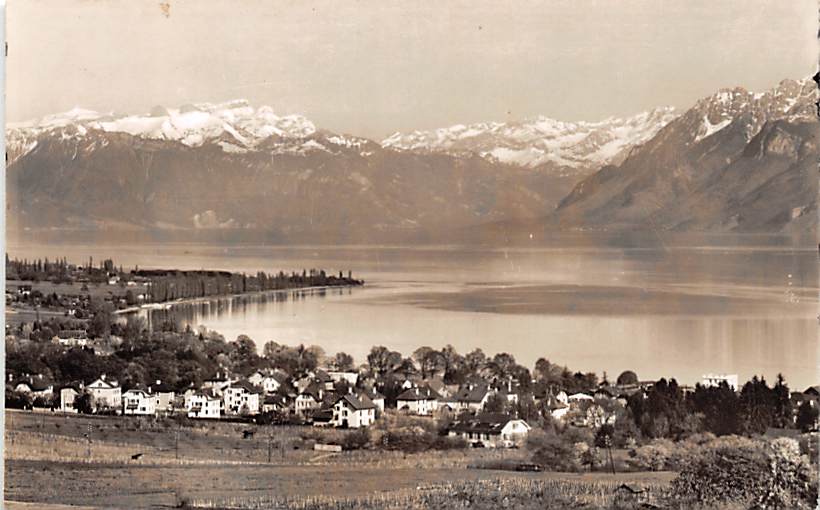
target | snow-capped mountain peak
x=191, y=125
x=541, y=140
x=792, y=99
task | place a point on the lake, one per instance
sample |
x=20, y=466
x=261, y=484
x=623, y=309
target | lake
x=679, y=307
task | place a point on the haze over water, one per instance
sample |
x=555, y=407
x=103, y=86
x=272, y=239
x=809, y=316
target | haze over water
x=678, y=308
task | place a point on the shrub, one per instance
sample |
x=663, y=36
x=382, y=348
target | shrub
x=652, y=457
x=449, y=443
x=769, y=475
x=408, y=439
x=17, y=400
x=554, y=453
x=356, y=439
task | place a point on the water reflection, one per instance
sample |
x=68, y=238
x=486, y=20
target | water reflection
x=677, y=306
x=203, y=310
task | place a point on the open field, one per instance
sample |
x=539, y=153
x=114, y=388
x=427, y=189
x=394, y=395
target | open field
x=75, y=289
x=49, y=461
x=144, y=486
x=17, y=316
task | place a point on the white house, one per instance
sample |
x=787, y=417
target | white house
x=350, y=377
x=217, y=383
x=350, y=411
x=274, y=403
x=375, y=397
x=269, y=382
x=139, y=403
x=242, y=398
x=106, y=393
x=471, y=397
x=309, y=400
x=709, y=380
x=578, y=397
x=203, y=404
x=35, y=386
x=491, y=430
x=67, y=397
x=165, y=396
x=421, y=401
x=71, y=338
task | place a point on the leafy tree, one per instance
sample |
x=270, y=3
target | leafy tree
x=501, y=365
x=133, y=376
x=270, y=349
x=627, y=377
x=604, y=435
x=100, y=324
x=783, y=411
x=429, y=360
x=758, y=404
x=382, y=360
x=547, y=372
x=454, y=365
x=84, y=403
x=496, y=403
x=342, y=361
x=720, y=407
x=807, y=416
x=474, y=361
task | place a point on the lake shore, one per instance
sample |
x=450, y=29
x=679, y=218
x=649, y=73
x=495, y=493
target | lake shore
x=167, y=305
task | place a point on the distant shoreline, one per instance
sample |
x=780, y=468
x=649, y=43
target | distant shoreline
x=167, y=305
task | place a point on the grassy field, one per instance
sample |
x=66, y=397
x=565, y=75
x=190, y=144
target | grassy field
x=75, y=289
x=49, y=461
x=17, y=316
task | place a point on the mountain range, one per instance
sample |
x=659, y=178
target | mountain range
x=736, y=160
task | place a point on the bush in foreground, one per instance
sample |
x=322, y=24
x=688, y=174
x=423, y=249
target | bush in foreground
x=511, y=494
x=773, y=475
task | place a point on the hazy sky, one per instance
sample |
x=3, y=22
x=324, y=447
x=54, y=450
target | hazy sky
x=374, y=67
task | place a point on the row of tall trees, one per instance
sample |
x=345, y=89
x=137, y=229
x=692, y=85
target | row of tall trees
x=666, y=412
x=170, y=285
x=58, y=270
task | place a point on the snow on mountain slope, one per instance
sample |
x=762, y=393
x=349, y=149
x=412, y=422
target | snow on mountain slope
x=736, y=160
x=541, y=140
x=236, y=124
x=791, y=100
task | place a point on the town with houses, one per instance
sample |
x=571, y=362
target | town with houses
x=487, y=401
x=350, y=400
x=86, y=368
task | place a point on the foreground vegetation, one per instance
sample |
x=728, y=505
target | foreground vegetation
x=49, y=459
x=488, y=494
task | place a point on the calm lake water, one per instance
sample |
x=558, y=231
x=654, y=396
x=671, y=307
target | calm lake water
x=675, y=307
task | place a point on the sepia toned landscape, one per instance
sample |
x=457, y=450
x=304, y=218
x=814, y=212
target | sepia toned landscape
x=520, y=255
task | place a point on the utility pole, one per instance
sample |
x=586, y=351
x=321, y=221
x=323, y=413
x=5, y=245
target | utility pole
x=608, y=443
x=176, y=441
x=88, y=448
x=270, y=445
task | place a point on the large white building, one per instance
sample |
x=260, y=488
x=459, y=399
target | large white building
x=67, y=397
x=491, y=430
x=350, y=411
x=106, y=393
x=270, y=382
x=710, y=380
x=420, y=401
x=242, y=398
x=139, y=403
x=203, y=404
